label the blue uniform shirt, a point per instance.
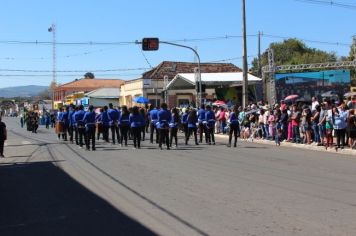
(210, 118)
(78, 116)
(113, 116)
(104, 117)
(143, 120)
(70, 114)
(164, 117)
(60, 116)
(65, 117)
(89, 118)
(185, 118)
(234, 120)
(124, 119)
(135, 120)
(201, 115)
(153, 114)
(192, 123)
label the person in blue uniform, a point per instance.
(192, 126)
(164, 117)
(66, 123)
(185, 123)
(99, 124)
(74, 125)
(89, 122)
(136, 120)
(124, 124)
(173, 127)
(153, 116)
(234, 125)
(107, 121)
(78, 116)
(114, 115)
(70, 123)
(143, 125)
(60, 120)
(210, 125)
(201, 123)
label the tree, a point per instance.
(89, 75)
(293, 52)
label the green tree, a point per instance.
(293, 52)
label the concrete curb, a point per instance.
(302, 146)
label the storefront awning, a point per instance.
(211, 80)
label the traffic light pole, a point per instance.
(199, 93)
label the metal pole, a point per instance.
(165, 79)
(245, 68)
(259, 55)
(199, 93)
(156, 92)
(354, 43)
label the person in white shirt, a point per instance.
(314, 104)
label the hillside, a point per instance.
(21, 91)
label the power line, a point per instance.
(329, 3)
(73, 71)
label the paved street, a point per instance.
(49, 187)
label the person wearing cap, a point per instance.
(164, 117)
(201, 123)
(113, 116)
(210, 125)
(89, 122)
(78, 116)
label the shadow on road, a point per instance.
(40, 199)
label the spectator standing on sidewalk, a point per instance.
(3, 137)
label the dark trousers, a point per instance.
(143, 131)
(153, 128)
(124, 133)
(136, 132)
(340, 137)
(76, 132)
(173, 134)
(105, 130)
(82, 135)
(164, 136)
(192, 130)
(186, 131)
(210, 135)
(115, 132)
(71, 132)
(2, 147)
(90, 136)
(234, 129)
(296, 134)
(202, 129)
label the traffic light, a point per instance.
(150, 44)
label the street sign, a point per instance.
(150, 44)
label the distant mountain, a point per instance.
(22, 91)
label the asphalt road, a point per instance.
(49, 187)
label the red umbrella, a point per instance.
(291, 97)
(219, 103)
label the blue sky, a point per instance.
(127, 21)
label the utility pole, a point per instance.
(244, 49)
(354, 45)
(259, 55)
(165, 80)
(52, 29)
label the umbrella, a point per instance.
(350, 94)
(329, 94)
(291, 97)
(219, 103)
(141, 100)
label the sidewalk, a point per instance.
(346, 151)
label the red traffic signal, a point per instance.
(150, 44)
